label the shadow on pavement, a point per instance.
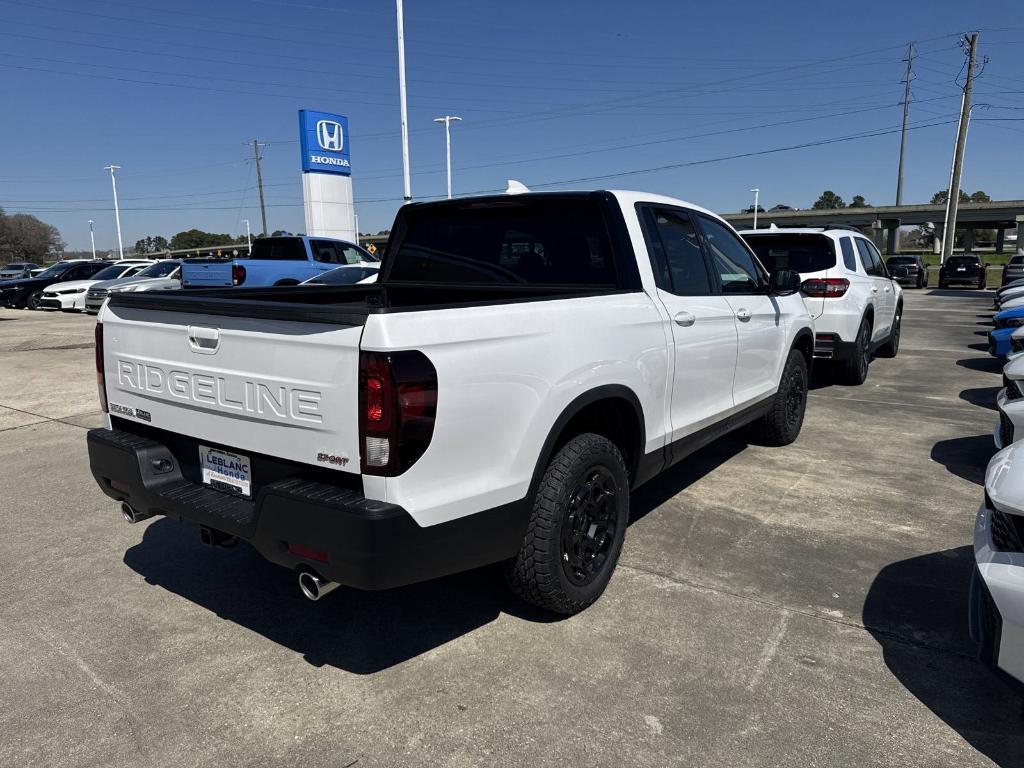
(965, 457)
(360, 632)
(984, 397)
(986, 364)
(979, 347)
(916, 609)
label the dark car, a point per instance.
(962, 270)
(1013, 269)
(914, 271)
(29, 291)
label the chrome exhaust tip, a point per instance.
(132, 515)
(315, 587)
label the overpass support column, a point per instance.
(968, 239)
(1000, 238)
(1020, 234)
(892, 234)
(878, 235)
(937, 242)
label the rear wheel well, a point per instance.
(805, 343)
(614, 418)
(869, 315)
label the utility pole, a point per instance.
(92, 239)
(117, 211)
(248, 236)
(953, 198)
(757, 193)
(906, 113)
(447, 120)
(407, 186)
(256, 146)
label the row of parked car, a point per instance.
(997, 587)
(83, 285)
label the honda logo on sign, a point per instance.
(329, 135)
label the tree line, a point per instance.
(23, 237)
(829, 200)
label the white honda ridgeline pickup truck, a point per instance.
(523, 362)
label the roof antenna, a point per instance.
(516, 187)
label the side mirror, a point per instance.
(784, 282)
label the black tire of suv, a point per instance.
(855, 369)
(943, 285)
(891, 347)
(540, 572)
(781, 425)
(922, 282)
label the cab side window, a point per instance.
(327, 252)
(351, 255)
(735, 264)
(676, 255)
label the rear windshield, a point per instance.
(540, 242)
(800, 252)
(899, 261)
(278, 249)
(963, 261)
(160, 269)
(18, 267)
(1017, 260)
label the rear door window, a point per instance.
(867, 259)
(676, 254)
(801, 252)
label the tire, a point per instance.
(561, 566)
(922, 282)
(891, 347)
(943, 285)
(32, 302)
(855, 369)
(781, 425)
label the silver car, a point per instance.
(17, 270)
(162, 276)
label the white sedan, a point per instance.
(996, 612)
(349, 274)
(70, 296)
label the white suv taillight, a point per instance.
(825, 287)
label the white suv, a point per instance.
(855, 303)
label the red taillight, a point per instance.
(398, 403)
(237, 274)
(100, 385)
(825, 288)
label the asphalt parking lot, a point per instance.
(797, 606)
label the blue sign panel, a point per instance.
(323, 138)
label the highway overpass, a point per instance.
(884, 221)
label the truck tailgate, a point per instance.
(282, 388)
(205, 274)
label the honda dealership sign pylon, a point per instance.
(326, 175)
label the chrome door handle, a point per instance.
(685, 319)
(874, 289)
(887, 289)
(743, 314)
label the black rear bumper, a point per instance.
(367, 544)
(828, 346)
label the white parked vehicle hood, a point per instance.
(70, 285)
(1004, 478)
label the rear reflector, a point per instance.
(825, 288)
(306, 552)
(100, 384)
(237, 274)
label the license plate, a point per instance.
(961, 269)
(225, 471)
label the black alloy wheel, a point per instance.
(589, 526)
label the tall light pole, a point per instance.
(117, 211)
(407, 186)
(92, 239)
(356, 217)
(447, 120)
(756, 192)
(248, 237)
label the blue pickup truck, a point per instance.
(286, 260)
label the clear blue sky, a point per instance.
(550, 92)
